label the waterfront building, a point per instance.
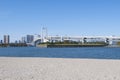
(16, 42)
(6, 39)
(30, 38)
(23, 40)
(1, 41)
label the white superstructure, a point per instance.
(108, 39)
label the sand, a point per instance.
(58, 69)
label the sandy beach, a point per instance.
(58, 69)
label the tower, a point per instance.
(44, 34)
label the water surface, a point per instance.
(93, 53)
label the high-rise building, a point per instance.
(6, 39)
(1, 41)
(30, 38)
(23, 40)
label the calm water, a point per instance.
(99, 52)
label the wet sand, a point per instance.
(58, 69)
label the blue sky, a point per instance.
(61, 17)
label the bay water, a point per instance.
(84, 52)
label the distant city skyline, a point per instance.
(19, 18)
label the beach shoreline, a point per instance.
(15, 68)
